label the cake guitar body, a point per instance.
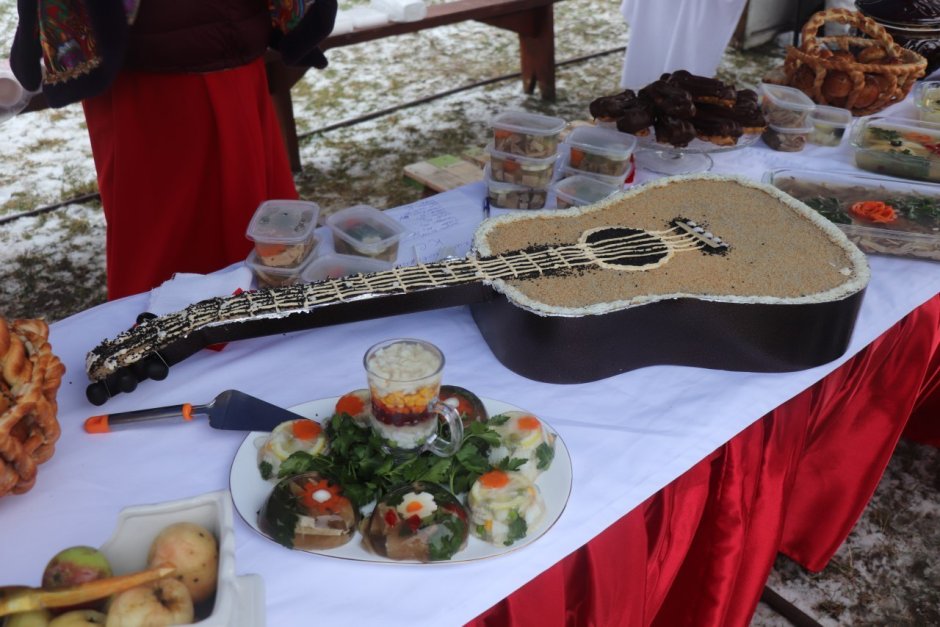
(647, 277)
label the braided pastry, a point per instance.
(30, 376)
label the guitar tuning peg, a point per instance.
(709, 235)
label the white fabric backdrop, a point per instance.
(670, 35)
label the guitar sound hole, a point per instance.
(622, 246)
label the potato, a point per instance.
(194, 551)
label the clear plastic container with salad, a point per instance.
(526, 134)
(283, 232)
(578, 190)
(897, 147)
(529, 171)
(880, 215)
(785, 107)
(594, 150)
(365, 231)
(501, 195)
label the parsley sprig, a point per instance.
(358, 461)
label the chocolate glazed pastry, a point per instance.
(674, 131)
(668, 99)
(703, 89)
(636, 120)
(745, 113)
(718, 130)
(612, 107)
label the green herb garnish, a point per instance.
(517, 528)
(447, 539)
(359, 462)
(544, 453)
(266, 470)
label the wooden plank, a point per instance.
(443, 173)
(438, 15)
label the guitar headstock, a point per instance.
(709, 242)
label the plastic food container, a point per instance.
(526, 134)
(785, 107)
(282, 231)
(908, 227)
(334, 266)
(614, 181)
(927, 99)
(272, 276)
(578, 190)
(829, 124)
(239, 600)
(501, 195)
(786, 139)
(897, 147)
(599, 151)
(529, 171)
(365, 231)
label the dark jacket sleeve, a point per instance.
(299, 46)
(62, 86)
(26, 54)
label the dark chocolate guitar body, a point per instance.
(536, 306)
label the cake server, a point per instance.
(229, 410)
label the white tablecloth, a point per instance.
(628, 435)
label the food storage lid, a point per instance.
(335, 265)
(528, 123)
(834, 116)
(583, 190)
(786, 97)
(533, 162)
(283, 221)
(349, 225)
(602, 141)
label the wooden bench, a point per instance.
(532, 20)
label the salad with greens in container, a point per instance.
(880, 215)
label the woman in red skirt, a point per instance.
(183, 132)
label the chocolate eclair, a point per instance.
(610, 108)
(669, 100)
(747, 114)
(703, 89)
(636, 120)
(674, 131)
(746, 95)
(718, 130)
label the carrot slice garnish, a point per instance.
(306, 429)
(349, 404)
(528, 423)
(874, 210)
(494, 479)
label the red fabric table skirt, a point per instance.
(183, 161)
(699, 551)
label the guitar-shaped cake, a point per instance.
(704, 271)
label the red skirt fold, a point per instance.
(183, 161)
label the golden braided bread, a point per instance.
(30, 376)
